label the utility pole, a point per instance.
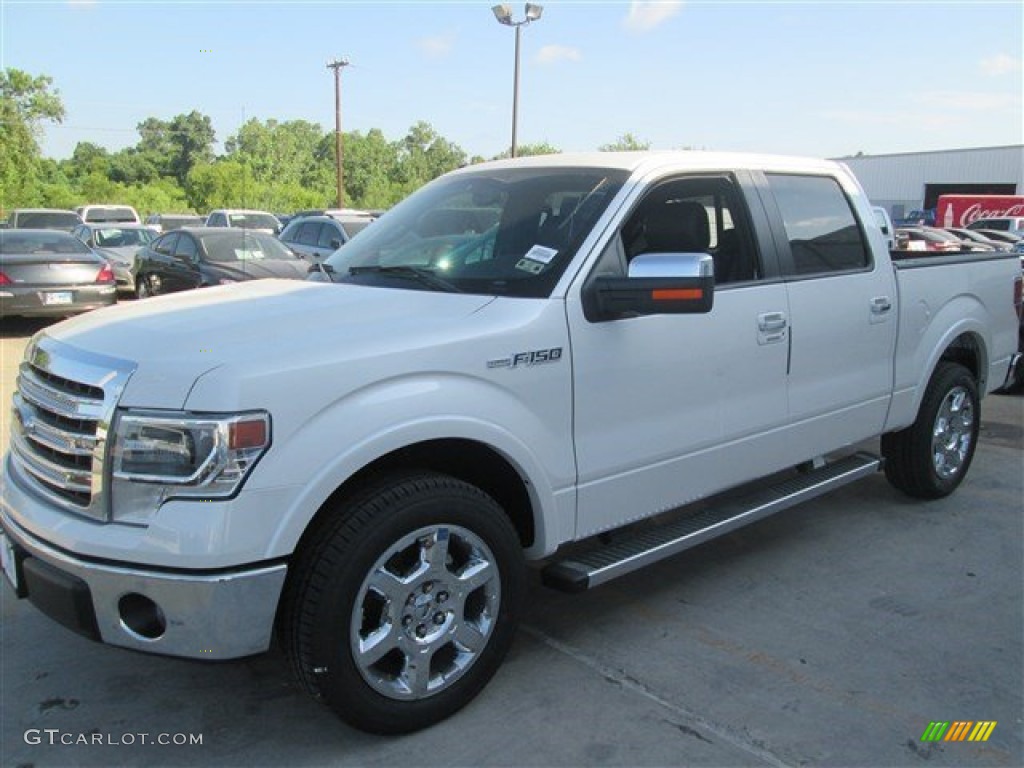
(504, 16)
(337, 65)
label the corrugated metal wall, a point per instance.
(898, 181)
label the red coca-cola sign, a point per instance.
(961, 210)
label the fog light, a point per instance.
(141, 616)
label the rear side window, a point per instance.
(823, 233)
(309, 233)
(328, 234)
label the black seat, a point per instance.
(677, 228)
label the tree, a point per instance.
(174, 147)
(192, 136)
(26, 102)
(526, 150)
(423, 155)
(224, 184)
(277, 152)
(371, 164)
(627, 142)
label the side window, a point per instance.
(309, 234)
(217, 220)
(165, 245)
(823, 233)
(186, 248)
(695, 215)
(330, 232)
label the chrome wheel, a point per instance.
(425, 612)
(953, 433)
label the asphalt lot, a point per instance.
(830, 635)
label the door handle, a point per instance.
(880, 305)
(771, 321)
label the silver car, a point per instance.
(118, 244)
(45, 272)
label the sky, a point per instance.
(825, 79)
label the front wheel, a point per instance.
(404, 603)
(146, 286)
(930, 458)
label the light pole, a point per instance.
(504, 16)
(337, 65)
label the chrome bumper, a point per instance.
(222, 615)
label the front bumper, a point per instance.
(224, 614)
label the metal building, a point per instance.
(914, 180)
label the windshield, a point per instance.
(16, 241)
(254, 221)
(47, 220)
(110, 214)
(243, 246)
(122, 238)
(496, 231)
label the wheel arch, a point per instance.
(468, 460)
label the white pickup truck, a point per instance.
(583, 363)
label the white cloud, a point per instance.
(647, 14)
(1000, 64)
(437, 46)
(550, 54)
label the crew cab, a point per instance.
(604, 360)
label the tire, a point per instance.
(403, 604)
(146, 286)
(930, 458)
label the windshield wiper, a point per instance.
(422, 275)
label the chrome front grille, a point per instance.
(62, 409)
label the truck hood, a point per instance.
(175, 339)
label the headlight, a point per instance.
(157, 457)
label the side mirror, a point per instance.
(335, 244)
(657, 284)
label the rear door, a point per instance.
(842, 304)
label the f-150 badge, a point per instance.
(523, 359)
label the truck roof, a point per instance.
(654, 159)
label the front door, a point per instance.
(670, 408)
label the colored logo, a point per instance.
(959, 730)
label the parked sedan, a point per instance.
(46, 272)
(317, 237)
(204, 256)
(118, 244)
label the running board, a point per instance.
(583, 570)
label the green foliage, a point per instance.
(25, 103)
(526, 150)
(270, 165)
(627, 142)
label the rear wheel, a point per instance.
(404, 605)
(146, 286)
(930, 458)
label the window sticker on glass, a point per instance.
(529, 265)
(542, 254)
(249, 254)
